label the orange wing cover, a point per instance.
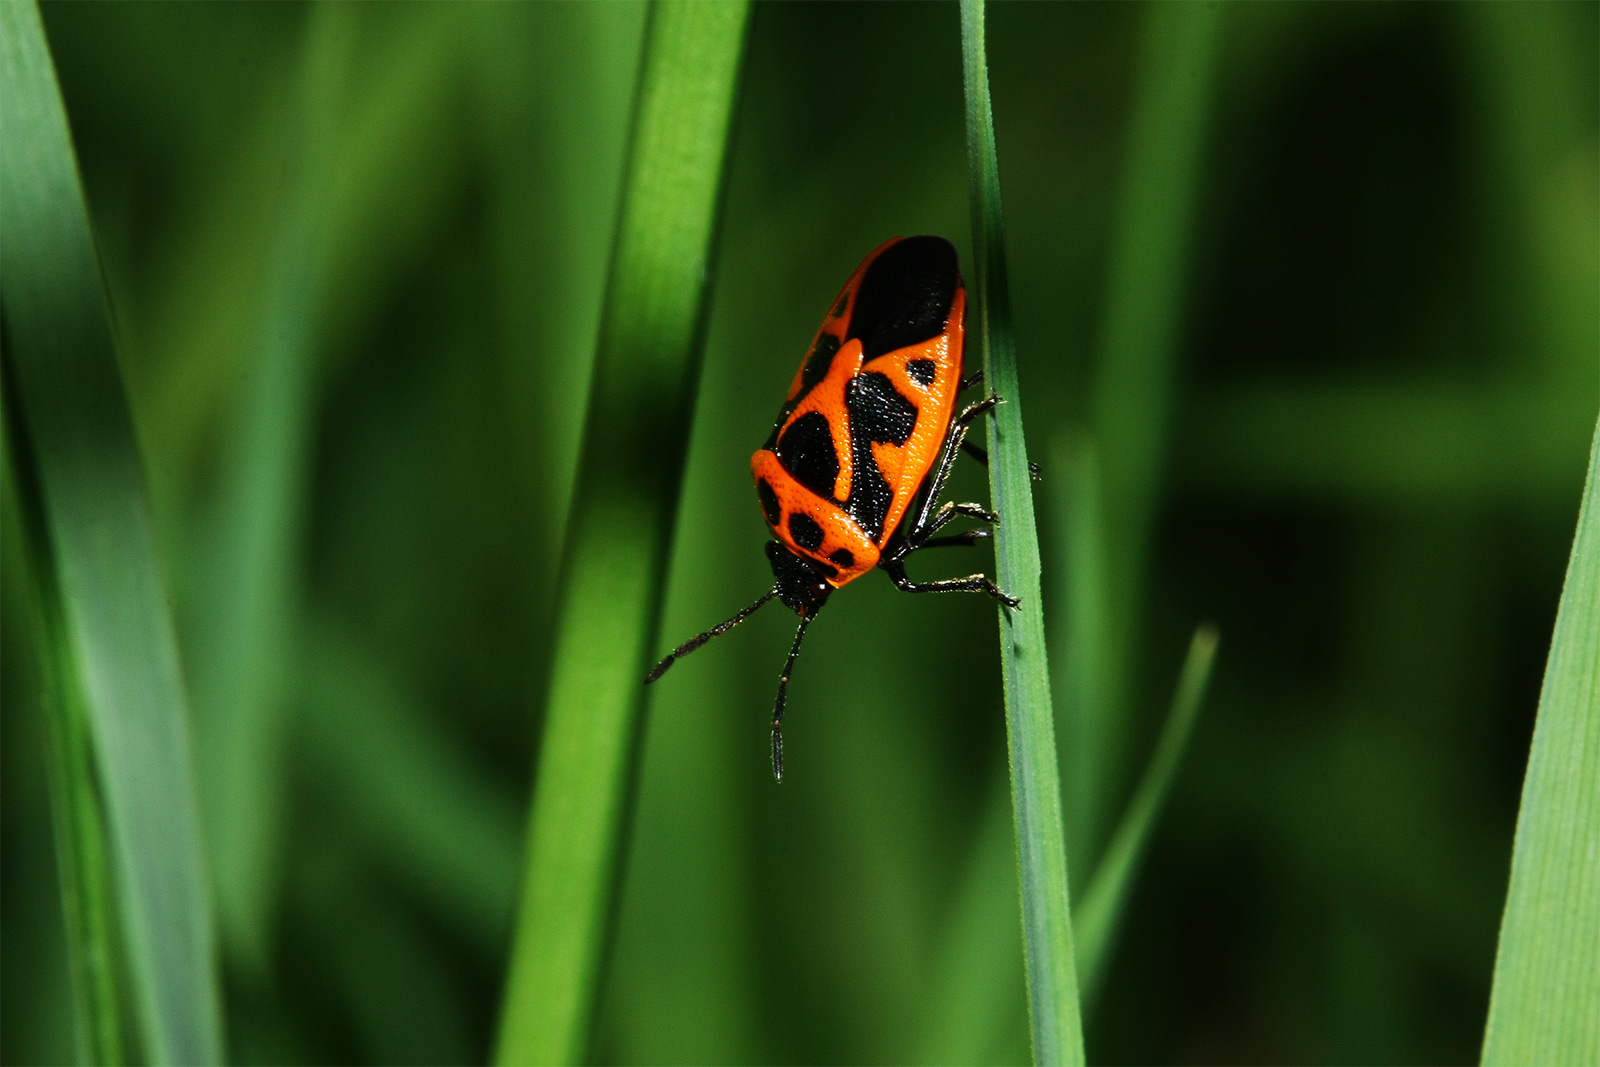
(869, 409)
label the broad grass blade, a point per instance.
(82, 859)
(61, 353)
(614, 562)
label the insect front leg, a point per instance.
(953, 439)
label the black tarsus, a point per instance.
(930, 515)
(981, 454)
(700, 639)
(941, 468)
(783, 694)
(948, 511)
(972, 583)
(964, 539)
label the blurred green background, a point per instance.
(358, 365)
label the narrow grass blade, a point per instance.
(1096, 918)
(242, 656)
(1545, 1003)
(1030, 722)
(1079, 609)
(615, 557)
(1130, 396)
(82, 863)
(61, 353)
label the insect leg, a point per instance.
(982, 456)
(972, 583)
(950, 509)
(947, 511)
(971, 380)
(964, 539)
(973, 410)
(953, 439)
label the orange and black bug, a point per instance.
(851, 475)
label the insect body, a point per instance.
(851, 475)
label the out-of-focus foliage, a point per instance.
(1384, 378)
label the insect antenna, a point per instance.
(700, 639)
(783, 694)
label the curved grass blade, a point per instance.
(614, 562)
(1096, 917)
(1545, 1004)
(62, 355)
(1030, 722)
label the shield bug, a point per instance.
(851, 475)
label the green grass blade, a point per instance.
(1079, 606)
(241, 659)
(1096, 918)
(62, 354)
(1545, 1004)
(1030, 722)
(1141, 320)
(615, 557)
(82, 862)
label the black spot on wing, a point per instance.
(877, 410)
(769, 502)
(806, 451)
(905, 296)
(878, 413)
(922, 371)
(816, 369)
(870, 495)
(843, 557)
(805, 531)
